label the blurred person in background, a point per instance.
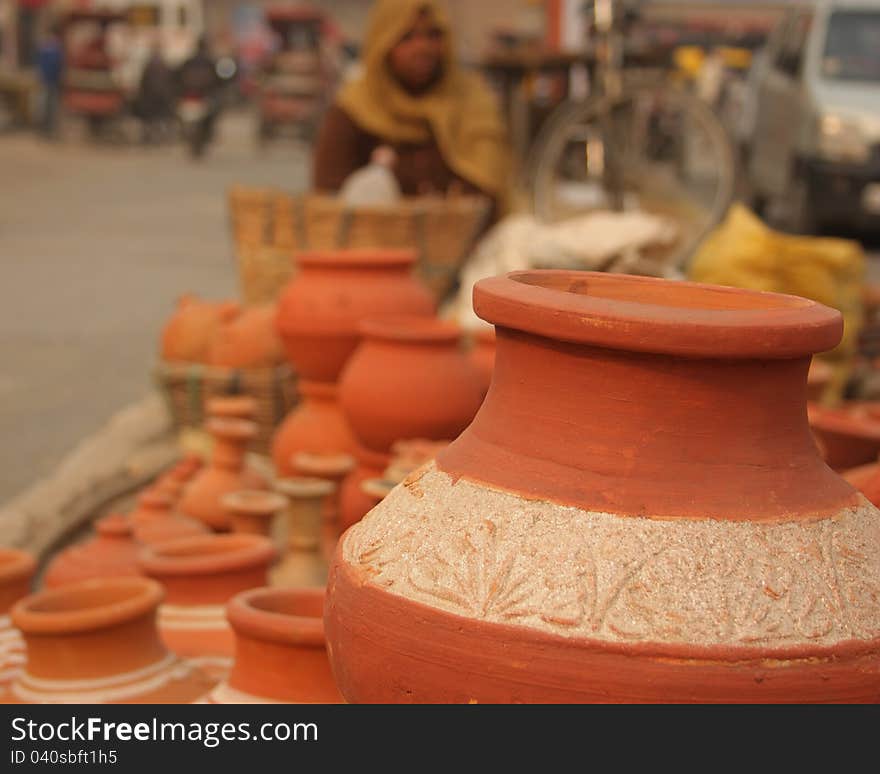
(411, 95)
(50, 63)
(154, 103)
(197, 76)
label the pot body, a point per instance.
(189, 333)
(409, 379)
(638, 513)
(849, 435)
(354, 503)
(321, 307)
(248, 341)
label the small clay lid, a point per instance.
(646, 314)
(360, 258)
(154, 499)
(15, 565)
(234, 429)
(323, 465)
(116, 525)
(206, 555)
(286, 616)
(410, 329)
(254, 502)
(231, 406)
(304, 487)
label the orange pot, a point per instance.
(237, 407)
(96, 642)
(111, 553)
(154, 520)
(409, 379)
(248, 340)
(200, 575)
(849, 435)
(280, 650)
(321, 307)
(226, 473)
(16, 572)
(354, 503)
(190, 331)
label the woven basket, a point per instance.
(441, 230)
(187, 386)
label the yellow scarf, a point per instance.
(460, 111)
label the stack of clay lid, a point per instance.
(16, 573)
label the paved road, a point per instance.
(95, 245)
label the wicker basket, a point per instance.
(441, 230)
(187, 386)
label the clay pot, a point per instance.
(482, 354)
(190, 331)
(16, 573)
(315, 426)
(96, 642)
(226, 473)
(252, 512)
(354, 503)
(249, 340)
(200, 575)
(111, 553)
(409, 378)
(849, 435)
(154, 520)
(637, 513)
(302, 563)
(321, 307)
(334, 468)
(187, 467)
(238, 407)
(280, 651)
(818, 379)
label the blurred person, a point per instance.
(50, 63)
(198, 74)
(441, 121)
(154, 103)
(199, 98)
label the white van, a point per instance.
(814, 149)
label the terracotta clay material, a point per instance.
(637, 513)
(819, 377)
(482, 354)
(16, 573)
(253, 511)
(238, 407)
(96, 642)
(200, 575)
(335, 468)
(850, 434)
(111, 553)
(410, 378)
(226, 473)
(354, 503)
(315, 426)
(249, 340)
(154, 520)
(190, 331)
(302, 563)
(280, 651)
(321, 307)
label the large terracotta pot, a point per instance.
(638, 513)
(353, 501)
(111, 553)
(410, 378)
(96, 642)
(305, 516)
(154, 520)
(16, 573)
(321, 307)
(200, 575)
(253, 512)
(849, 435)
(226, 473)
(315, 426)
(190, 331)
(249, 340)
(482, 354)
(280, 651)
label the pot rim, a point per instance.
(659, 316)
(258, 502)
(206, 555)
(114, 525)
(78, 607)
(295, 487)
(235, 429)
(231, 406)
(16, 565)
(855, 422)
(248, 615)
(357, 258)
(152, 498)
(410, 329)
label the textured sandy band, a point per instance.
(494, 556)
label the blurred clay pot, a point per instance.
(226, 473)
(849, 435)
(280, 650)
(111, 553)
(249, 340)
(354, 503)
(190, 331)
(16, 573)
(638, 513)
(818, 379)
(252, 512)
(409, 378)
(96, 642)
(320, 308)
(238, 407)
(200, 575)
(301, 564)
(315, 426)
(154, 520)
(334, 468)
(482, 354)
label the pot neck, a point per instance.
(647, 434)
(228, 453)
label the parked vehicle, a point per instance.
(812, 128)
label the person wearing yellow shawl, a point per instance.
(441, 120)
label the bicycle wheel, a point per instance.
(655, 149)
